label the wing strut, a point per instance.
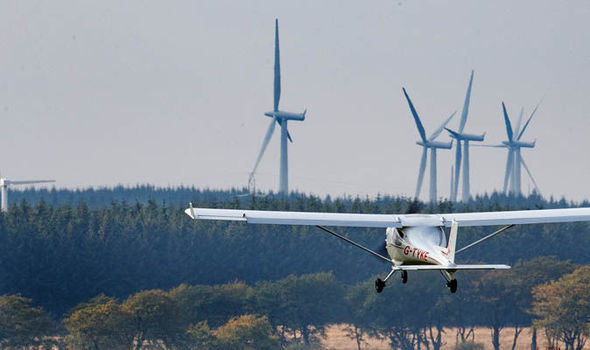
(485, 238)
(354, 243)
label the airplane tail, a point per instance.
(452, 241)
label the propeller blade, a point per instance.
(509, 164)
(416, 118)
(530, 175)
(527, 122)
(466, 105)
(382, 249)
(441, 127)
(457, 166)
(508, 125)
(277, 81)
(270, 130)
(421, 172)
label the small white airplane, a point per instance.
(413, 242)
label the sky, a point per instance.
(169, 93)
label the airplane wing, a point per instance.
(544, 216)
(449, 267)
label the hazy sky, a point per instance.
(96, 93)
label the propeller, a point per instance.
(382, 249)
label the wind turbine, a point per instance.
(428, 143)
(281, 118)
(5, 183)
(463, 138)
(514, 159)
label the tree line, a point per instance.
(61, 255)
(293, 312)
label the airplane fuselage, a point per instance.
(418, 246)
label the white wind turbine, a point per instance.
(463, 140)
(428, 143)
(281, 118)
(5, 183)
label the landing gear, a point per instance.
(452, 284)
(404, 277)
(379, 285)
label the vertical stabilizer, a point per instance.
(453, 240)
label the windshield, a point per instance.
(426, 236)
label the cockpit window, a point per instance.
(426, 235)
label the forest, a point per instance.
(125, 267)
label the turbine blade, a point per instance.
(466, 105)
(270, 130)
(519, 122)
(509, 164)
(508, 125)
(416, 118)
(288, 133)
(492, 146)
(530, 175)
(421, 172)
(441, 127)
(29, 182)
(277, 82)
(527, 122)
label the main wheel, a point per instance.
(452, 284)
(379, 285)
(404, 276)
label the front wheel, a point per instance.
(404, 277)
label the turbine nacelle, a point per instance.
(286, 115)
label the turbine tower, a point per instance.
(5, 183)
(281, 118)
(514, 161)
(428, 143)
(463, 140)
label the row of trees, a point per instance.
(552, 295)
(63, 255)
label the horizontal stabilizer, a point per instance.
(450, 267)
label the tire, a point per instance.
(452, 284)
(404, 277)
(379, 285)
